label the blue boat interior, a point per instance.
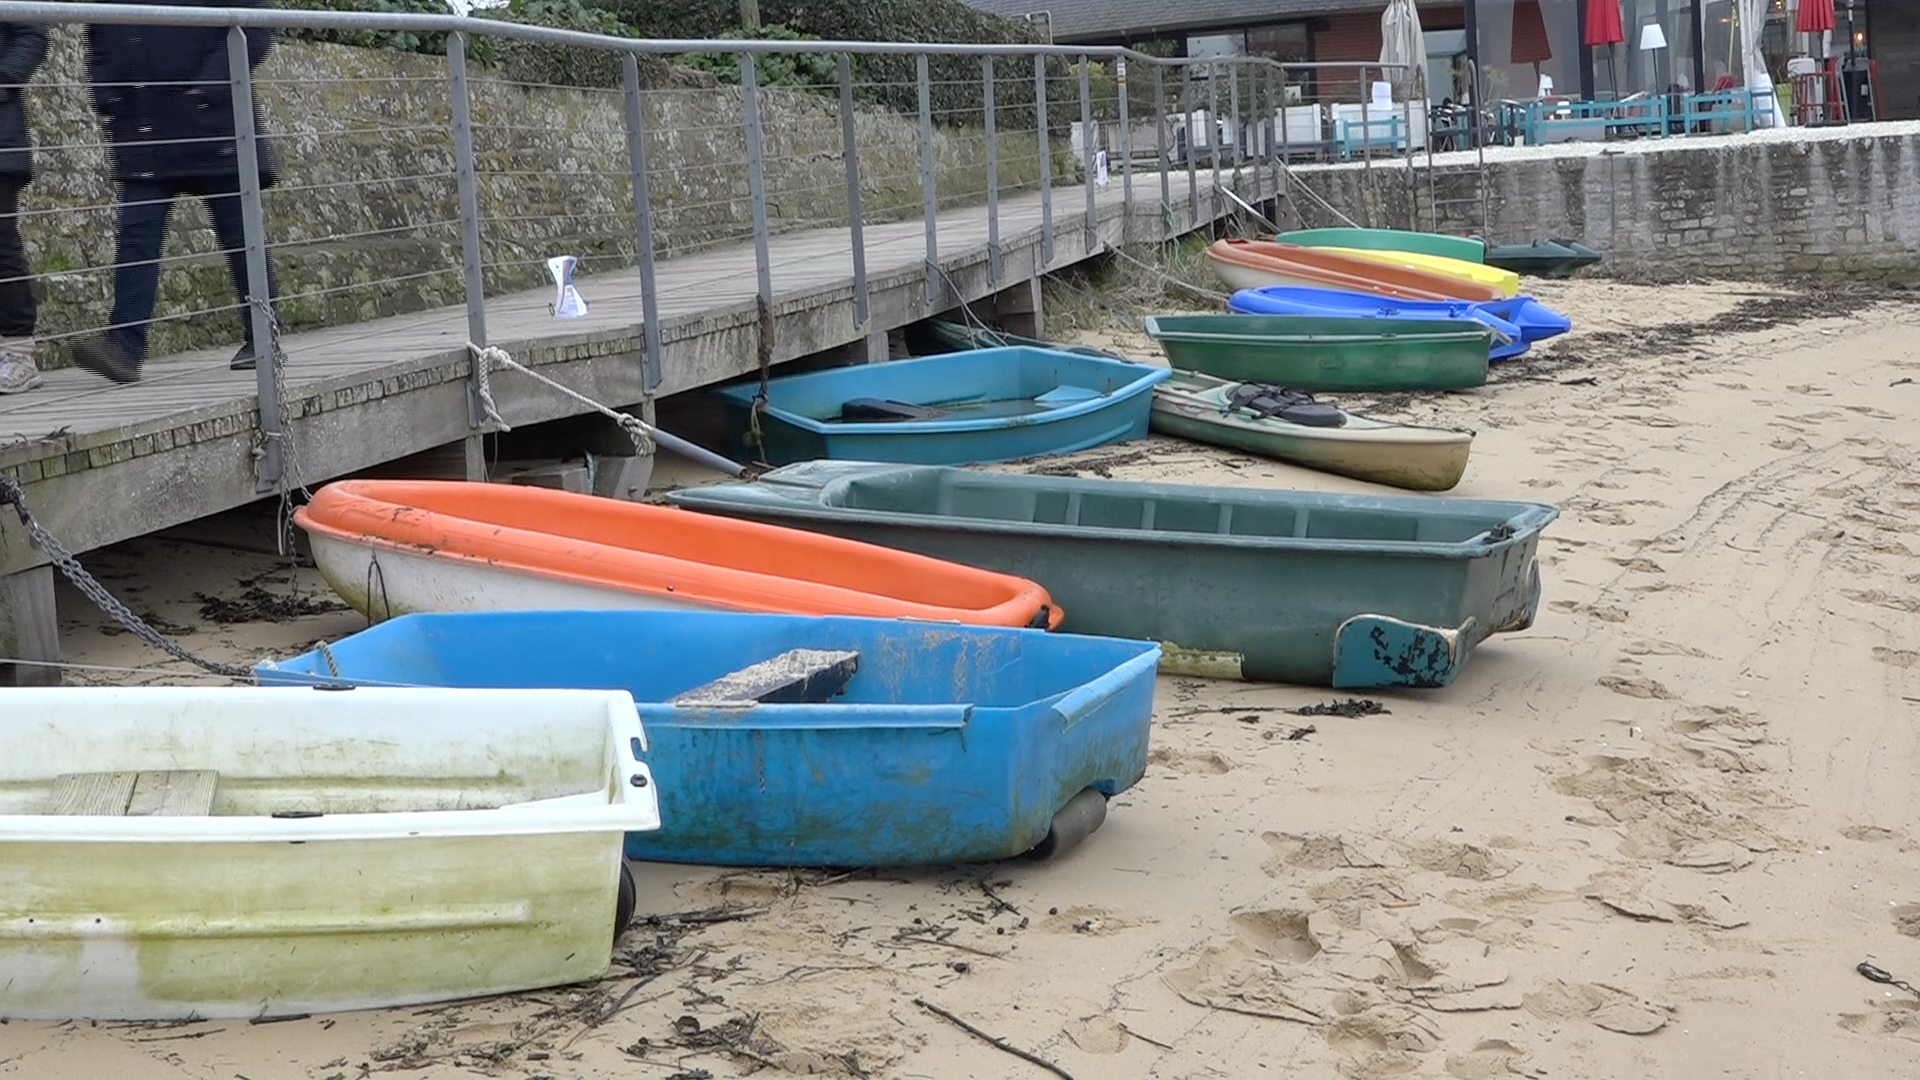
(1254, 513)
(655, 655)
(979, 384)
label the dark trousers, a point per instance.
(145, 206)
(17, 310)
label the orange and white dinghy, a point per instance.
(397, 547)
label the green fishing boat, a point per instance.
(1350, 591)
(1423, 243)
(1288, 425)
(1320, 354)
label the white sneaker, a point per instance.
(17, 370)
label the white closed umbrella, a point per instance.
(1401, 42)
(1753, 65)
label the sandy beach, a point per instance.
(1651, 836)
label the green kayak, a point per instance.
(1423, 243)
(1350, 591)
(1287, 426)
(1328, 353)
(1542, 258)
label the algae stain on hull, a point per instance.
(1201, 663)
(167, 931)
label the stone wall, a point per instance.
(365, 223)
(1831, 202)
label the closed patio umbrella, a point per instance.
(1604, 29)
(1401, 42)
(1816, 17)
(1753, 20)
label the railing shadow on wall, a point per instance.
(380, 183)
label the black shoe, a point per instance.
(242, 360)
(106, 357)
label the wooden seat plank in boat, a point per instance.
(795, 677)
(153, 793)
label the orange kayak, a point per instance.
(1257, 264)
(396, 547)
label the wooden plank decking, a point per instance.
(102, 463)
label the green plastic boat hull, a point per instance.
(1542, 258)
(1328, 354)
(1422, 243)
(1317, 589)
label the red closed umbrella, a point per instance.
(1603, 30)
(1603, 22)
(1816, 17)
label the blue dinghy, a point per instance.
(783, 740)
(966, 408)
(1521, 319)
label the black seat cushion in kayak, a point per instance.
(881, 409)
(1285, 403)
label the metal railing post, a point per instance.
(642, 220)
(469, 192)
(1213, 136)
(856, 228)
(1239, 126)
(1186, 118)
(929, 182)
(1086, 152)
(757, 191)
(1046, 159)
(1160, 146)
(272, 464)
(993, 171)
(1126, 149)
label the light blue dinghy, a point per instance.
(785, 740)
(964, 408)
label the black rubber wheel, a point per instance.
(623, 907)
(1083, 814)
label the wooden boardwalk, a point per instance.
(102, 463)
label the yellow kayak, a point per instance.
(1506, 281)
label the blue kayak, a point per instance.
(1521, 319)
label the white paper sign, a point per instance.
(1100, 168)
(567, 303)
(1383, 95)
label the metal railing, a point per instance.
(447, 151)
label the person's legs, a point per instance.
(118, 353)
(17, 311)
(229, 225)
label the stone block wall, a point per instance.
(365, 222)
(1841, 203)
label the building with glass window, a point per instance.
(1517, 42)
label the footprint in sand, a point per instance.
(1098, 1035)
(1655, 647)
(1898, 1018)
(1906, 919)
(1640, 565)
(1636, 686)
(1488, 1059)
(1470, 861)
(1322, 851)
(1901, 658)
(1603, 1006)
(1202, 762)
(1879, 598)
(1283, 935)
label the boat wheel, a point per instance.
(1076, 821)
(623, 907)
